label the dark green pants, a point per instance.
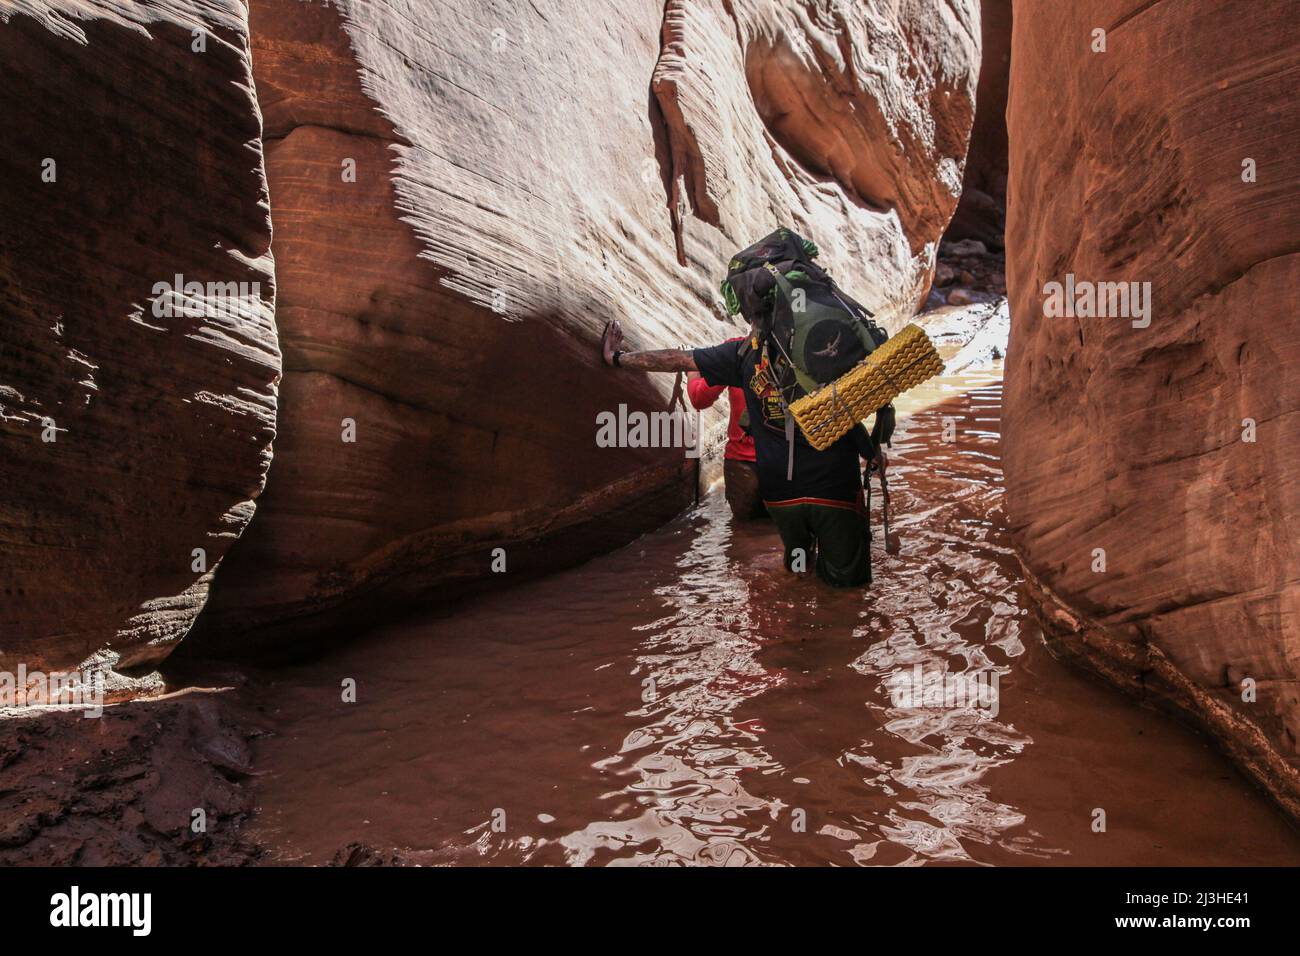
(834, 534)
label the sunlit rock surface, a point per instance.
(515, 189)
(134, 444)
(1168, 452)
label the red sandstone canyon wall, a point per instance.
(1168, 450)
(130, 440)
(522, 175)
(459, 205)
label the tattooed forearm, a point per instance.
(658, 360)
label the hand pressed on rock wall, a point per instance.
(654, 360)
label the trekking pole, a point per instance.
(877, 464)
(884, 501)
(881, 463)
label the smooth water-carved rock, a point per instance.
(1151, 463)
(863, 116)
(460, 205)
(134, 441)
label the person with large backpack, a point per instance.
(804, 332)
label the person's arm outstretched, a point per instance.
(652, 360)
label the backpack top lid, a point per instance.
(747, 289)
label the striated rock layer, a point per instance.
(1168, 451)
(134, 443)
(522, 175)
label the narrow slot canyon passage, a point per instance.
(366, 575)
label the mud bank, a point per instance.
(123, 788)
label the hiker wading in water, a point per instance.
(814, 497)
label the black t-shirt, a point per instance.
(833, 474)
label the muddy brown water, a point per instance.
(686, 701)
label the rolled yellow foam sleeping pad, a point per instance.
(903, 362)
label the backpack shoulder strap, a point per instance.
(849, 301)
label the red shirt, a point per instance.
(740, 446)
